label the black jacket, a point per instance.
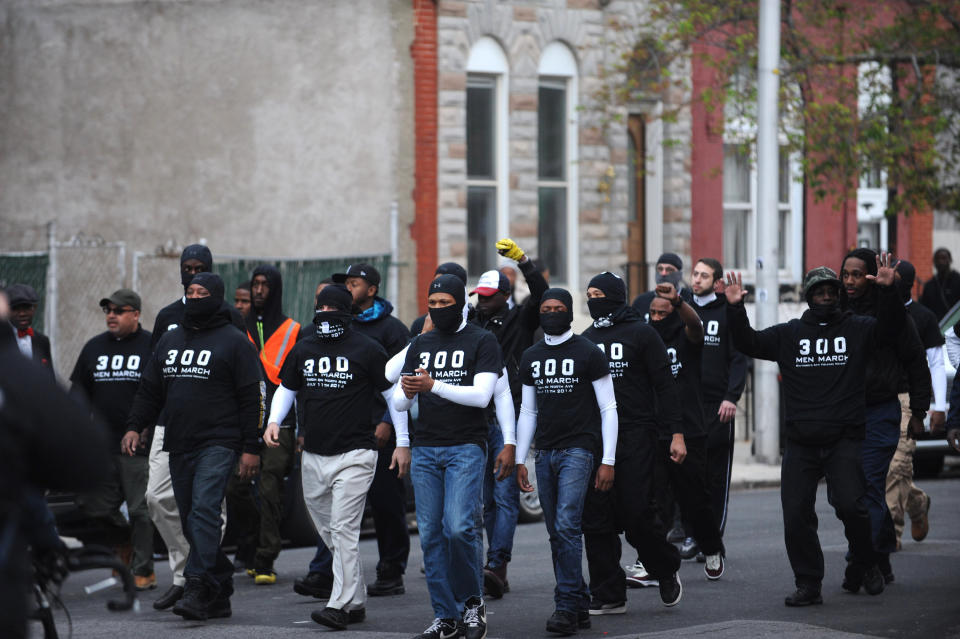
(514, 327)
(379, 324)
(940, 295)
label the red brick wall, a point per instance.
(915, 243)
(423, 50)
(706, 168)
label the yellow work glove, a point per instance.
(508, 248)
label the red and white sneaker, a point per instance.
(713, 568)
(638, 577)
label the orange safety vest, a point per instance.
(276, 349)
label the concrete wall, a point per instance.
(276, 128)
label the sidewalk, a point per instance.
(747, 474)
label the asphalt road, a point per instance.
(924, 601)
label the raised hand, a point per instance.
(735, 292)
(886, 272)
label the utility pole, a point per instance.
(767, 389)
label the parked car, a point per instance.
(932, 450)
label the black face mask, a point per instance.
(667, 327)
(602, 307)
(331, 324)
(825, 312)
(199, 311)
(556, 323)
(447, 319)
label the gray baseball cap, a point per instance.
(122, 297)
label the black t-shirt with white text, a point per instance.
(453, 359)
(108, 373)
(724, 368)
(336, 381)
(563, 374)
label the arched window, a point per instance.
(557, 193)
(488, 74)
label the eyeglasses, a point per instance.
(116, 311)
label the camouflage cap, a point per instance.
(816, 276)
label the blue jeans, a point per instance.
(501, 503)
(447, 484)
(879, 445)
(199, 485)
(562, 479)
(322, 561)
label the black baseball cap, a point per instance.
(367, 272)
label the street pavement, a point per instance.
(747, 602)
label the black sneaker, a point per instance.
(169, 598)
(315, 584)
(688, 549)
(389, 582)
(671, 590)
(563, 623)
(873, 581)
(441, 629)
(196, 600)
(356, 615)
(331, 618)
(805, 595)
(598, 607)
(474, 622)
(852, 577)
(883, 563)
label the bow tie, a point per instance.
(25, 332)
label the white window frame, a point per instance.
(557, 62)
(487, 58)
(871, 200)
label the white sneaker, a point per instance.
(638, 577)
(714, 567)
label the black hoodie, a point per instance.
(823, 365)
(724, 368)
(208, 382)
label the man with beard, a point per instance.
(336, 371)
(723, 376)
(569, 403)
(942, 290)
(823, 359)
(452, 371)
(161, 502)
(887, 369)
(206, 376)
(514, 328)
(683, 457)
(642, 381)
(107, 374)
(258, 520)
(903, 496)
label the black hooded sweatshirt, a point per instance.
(646, 392)
(724, 368)
(822, 364)
(261, 324)
(890, 364)
(207, 379)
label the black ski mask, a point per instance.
(448, 318)
(206, 312)
(195, 252)
(602, 309)
(559, 322)
(333, 324)
(667, 327)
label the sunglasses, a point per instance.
(116, 311)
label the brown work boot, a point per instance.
(145, 583)
(920, 526)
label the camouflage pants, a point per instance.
(903, 496)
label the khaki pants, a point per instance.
(163, 508)
(903, 496)
(334, 490)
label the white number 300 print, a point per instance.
(186, 358)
